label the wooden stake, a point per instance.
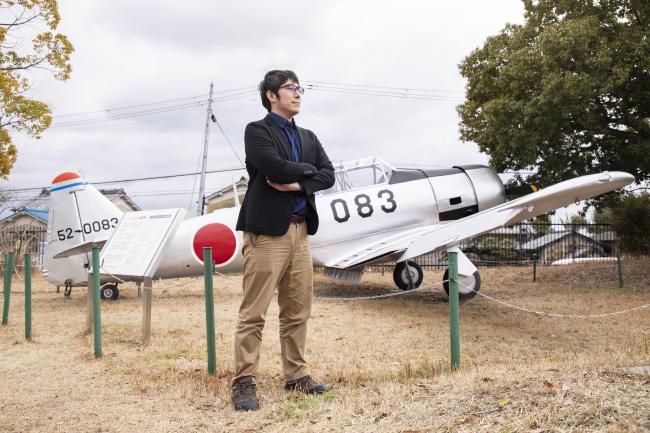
(146, 311)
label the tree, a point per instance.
(631, 221)
(565, 94)
(577, 219)
(603, 215)
(20, 20)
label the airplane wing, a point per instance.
(437, 236)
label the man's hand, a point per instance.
(284, 187)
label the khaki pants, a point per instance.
(269, 262)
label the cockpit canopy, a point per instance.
(359, 173)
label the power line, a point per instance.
(149, 112)
(385, 87)
(386, 93)
(135, 179)
(126, 107)
(227, 139)
(131, 114)
(141, 122)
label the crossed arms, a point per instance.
(282, 174)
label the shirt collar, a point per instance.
(284, 123)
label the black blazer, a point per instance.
(266, 210)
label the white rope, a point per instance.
(563, 316)
(177, 286)
(422, 288)
(385, 295)
(498, 301)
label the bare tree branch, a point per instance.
(18, 68)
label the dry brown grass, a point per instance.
(388, 360)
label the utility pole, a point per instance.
(200, 205)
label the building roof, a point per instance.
(607, 236)
(38, 207)
(547, 239)
(517, 229)
(241, 182)
(39, 214)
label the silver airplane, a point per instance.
(374, 213)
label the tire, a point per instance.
(468, 287)
(109, 291)
(400, 276)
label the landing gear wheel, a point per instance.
(68, 288)
(408, 277)
(109, 291)
(468, 287)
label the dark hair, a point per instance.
(272, 81)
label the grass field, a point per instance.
(387, 358)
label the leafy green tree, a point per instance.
(20, 21)
(567, 93)
(542, 224)
(603, 215)
(577, 219)
(631, 221)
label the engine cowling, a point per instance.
(465, 190)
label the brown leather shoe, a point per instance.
(244, 395)
(307, 385)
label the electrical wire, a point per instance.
(130, 115)
(403, 93)
(125, 107)
(228, 95)
(227, 140)
(135, 179)
(384, 87)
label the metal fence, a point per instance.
(517, 245)
(521, 244)
(22, 240)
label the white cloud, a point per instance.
(138, 52)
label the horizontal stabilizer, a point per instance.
(79, 249)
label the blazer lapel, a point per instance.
(304, 146)
(281, 136)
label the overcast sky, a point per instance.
(133, 53)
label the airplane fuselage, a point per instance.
(371, 200)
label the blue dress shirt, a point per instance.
(291, 133)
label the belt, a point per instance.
(297, 219)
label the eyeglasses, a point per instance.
(293, 88)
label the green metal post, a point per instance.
(208, 267)
(97, 318)
(534, 267)
(9, 267)
(28, 297)
(620, 270)
(454, 318)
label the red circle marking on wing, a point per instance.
(220, 238)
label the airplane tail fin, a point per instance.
(78, 214)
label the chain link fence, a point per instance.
(522, 244)
(518, 245)
(22, 240)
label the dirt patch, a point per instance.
(388, 359)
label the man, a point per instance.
(286, 165)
